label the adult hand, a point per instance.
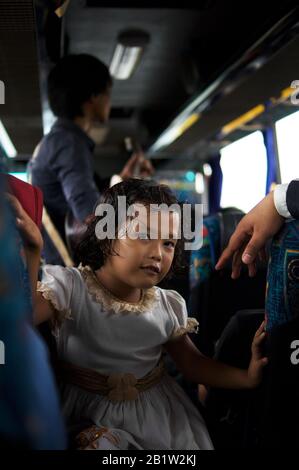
(137, 165)
(250, 237)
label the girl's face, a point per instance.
(145, 249)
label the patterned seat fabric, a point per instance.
(202, 261)
(282, 293)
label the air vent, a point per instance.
(16, 15)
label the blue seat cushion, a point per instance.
(282, 292)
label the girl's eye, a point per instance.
(169, 244)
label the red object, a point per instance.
(29, 196)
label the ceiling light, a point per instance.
(127, 54)
(177, 128)
(6, 143)
(2, 92)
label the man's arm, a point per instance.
(260, 224)
(280, 200)
(73, 168)
(292, 199)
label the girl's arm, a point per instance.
(33, 243)
(200, 369)
(43, 309)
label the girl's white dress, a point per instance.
(97, 331)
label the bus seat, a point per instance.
(29, 406)
(203, 260)
(280, 418)
(268, 416)
(217, 229)
(214, 296)
(282, 298)
(280, 406)
(232, 414)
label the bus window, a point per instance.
(287, 142)
(22, 175)
(244, 168)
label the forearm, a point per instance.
(42, 308)
(32, 245)
(216, 374)
(33, 264)
(201, 369)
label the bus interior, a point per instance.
(213, 101)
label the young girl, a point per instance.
(112, 325)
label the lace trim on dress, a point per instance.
(60, 314)
(101, 295)
(191, 327)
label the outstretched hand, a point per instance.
(258, 362)
(249, 239)
(138, 165)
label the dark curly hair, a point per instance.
(93, 252)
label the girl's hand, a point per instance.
(30, 233)
(257, 363)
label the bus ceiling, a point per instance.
(201, 68)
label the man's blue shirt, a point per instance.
(62, 169)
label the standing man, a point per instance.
(79, 89)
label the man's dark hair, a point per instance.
(73, 80)
(94, 252)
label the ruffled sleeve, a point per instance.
(57, 287)
(181, 324)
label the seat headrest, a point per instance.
(202, 261)
(217, 230)
(282, 294)
(228, 221)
